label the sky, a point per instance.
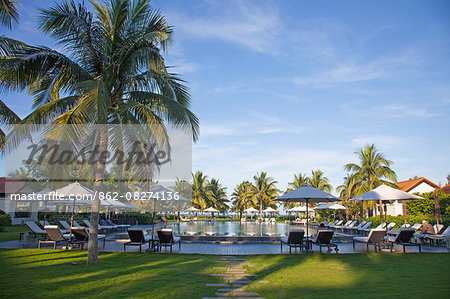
(294, 86)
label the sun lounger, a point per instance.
(367, 225)
(325, 223)
(54, 235)
(166, 239)
(65, 225)
(100, 227)
(403, 238)
(438, 228)
(341, 227)
(81, 237)
(396, 231)
(137, 238)
(416, 226)
(35, 230)
(336, 224)
(323, 239)
(366, 231)
(349, 228)
(375, 238)
(122, 226)
(437, 238)
(295, 239)
(44, 223)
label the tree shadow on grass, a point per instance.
(356, 275)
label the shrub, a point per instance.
(5, 220)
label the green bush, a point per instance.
(5, 220)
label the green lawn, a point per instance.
(12, 233)
(49, 273)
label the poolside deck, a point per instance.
(213, 248)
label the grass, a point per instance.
(50, 273)
(10, 233)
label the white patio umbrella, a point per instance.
(297, 209)
(331, 206)
(192, 210)
(307, 194)
(251, 210)
(385, 193)
(211, 210)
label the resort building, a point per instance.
(20, 211)
(417, 185)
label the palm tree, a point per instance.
(241, 197)
(263, 191)
(319, 181)
(299, 181)
(8, 13)
(348, 190)
(218, 195)
(371, 172)
(114, 74)
(200, 196)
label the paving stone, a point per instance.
(221, 294)
(225, 275)
(263, 281)
(219, 268)
(242, 281)
(244, 294)
(217, 285)
(230, 290)
(237, 285)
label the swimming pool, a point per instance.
(232, 229)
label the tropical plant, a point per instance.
(114, 73)
(8, 15)
(372, 171)
(241, 197)
(319, 181)
(348, 190)
(299, 181)
(263, 191)
(200, 196)
(218, 195)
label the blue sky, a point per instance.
(295, 86)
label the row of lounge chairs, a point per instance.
(77, 237)
(105, 226)
(296, 239)
(165, 239)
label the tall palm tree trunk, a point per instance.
(98, 186)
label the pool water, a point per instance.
(232, 229)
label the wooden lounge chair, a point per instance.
(100, 227)
(166, 239)
(81, 236)
(336, 224)
(54, 235)
(367, 225)
(295, 239)
(35, 230)
(349, 228)
(375, 238)
(323, 239)
(366, 231)
(120, 226)
(437, 238)
(393, 232)
(137, 238)
(403, 238)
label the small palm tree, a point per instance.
(371, 172)
(241, 197)
(263, 191)
(218, 195)
(200, 196)
(299, 181)
(319, 181)
(348, 190)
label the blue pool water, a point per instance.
(231, 229)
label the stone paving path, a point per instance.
(235, 278)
